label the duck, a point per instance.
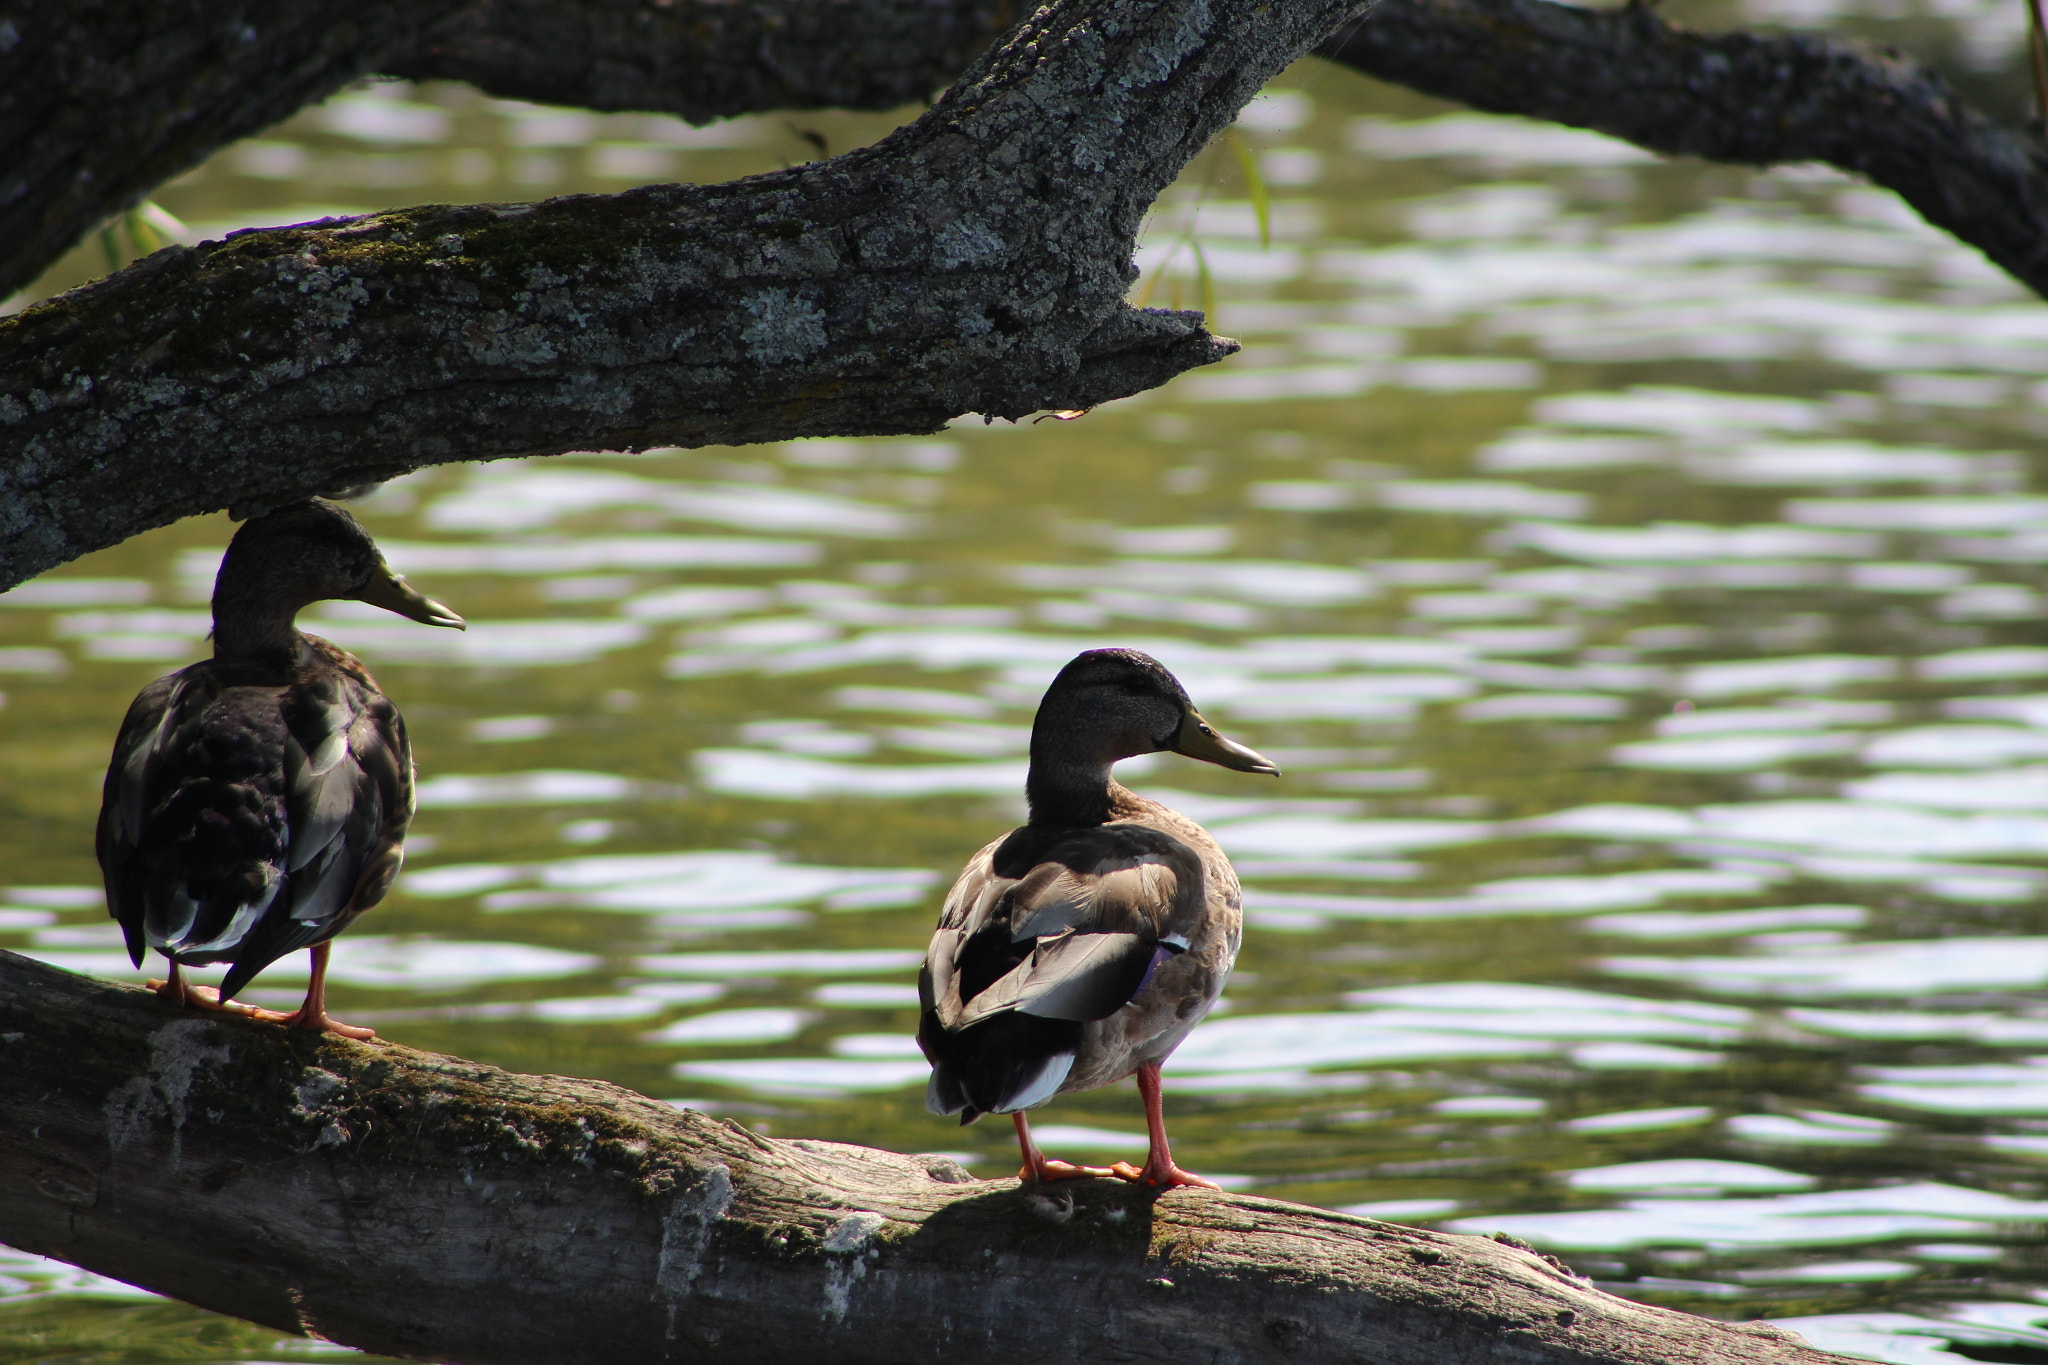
(1083, 946)
(257, 801)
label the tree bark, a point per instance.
(711, 59)
(1735, 97)
(421, 1205)
(103, 100)
(100, 102)
(974, 261)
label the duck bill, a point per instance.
(1198, 739)
(389, 591)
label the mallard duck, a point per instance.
(257, 801)
(1083, 946)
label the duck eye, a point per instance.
(1207, 731)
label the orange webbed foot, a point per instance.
(1051, 1168)
(208, 998)
(323, 1022)
(1163, 1175)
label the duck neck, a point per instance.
(251, 624)
(1068, 788)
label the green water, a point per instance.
(1635, 566)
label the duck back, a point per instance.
(1045, 972)
(252, 810)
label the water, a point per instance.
(1635, 566)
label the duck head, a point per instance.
(293, 556)
(1111, 704)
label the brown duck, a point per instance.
(257, 802)
(1083, 947)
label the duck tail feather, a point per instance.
(1039, 1088)
(943, 1094)
(241, 974)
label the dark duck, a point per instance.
(257, 802)
(1084, 946)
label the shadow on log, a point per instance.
(421, 1205)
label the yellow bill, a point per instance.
(391, 592)
(1198, 739)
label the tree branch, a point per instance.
(426, 1206)
(1737, 97)
(101, 101)
(974, 261)
(711, 59)
(98, 105)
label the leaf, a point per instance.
(1255, 185)
(1152, 280)
(1205, 283)
(141, 231)
(152, 227)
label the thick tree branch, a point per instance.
(103, 100)
(711, 59)
(1736, 97)
(99, 104)
(426, 1206)
(974, 261)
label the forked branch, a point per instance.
(974, 261)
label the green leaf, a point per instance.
(1144, 298)
(1206, 284)
(1255, 185)
(146, 228)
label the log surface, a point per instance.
(421, 1205)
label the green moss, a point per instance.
(1179, 1246)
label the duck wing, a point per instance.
(1021, 961)
(244, 819)
(191, 828)
(158, 724)
(348, 798)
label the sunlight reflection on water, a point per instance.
(1630, 563)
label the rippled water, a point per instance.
(1634, 566)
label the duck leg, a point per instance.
(1159, 1168)
(1038, 1168)
(176, 989)
(313, 1014)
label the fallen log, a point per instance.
(426, 1206)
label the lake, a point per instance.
(1636, 566)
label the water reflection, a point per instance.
(1631, 564)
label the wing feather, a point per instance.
(247, 815)
(1021, 961)
(348, 795)
(160, 722)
